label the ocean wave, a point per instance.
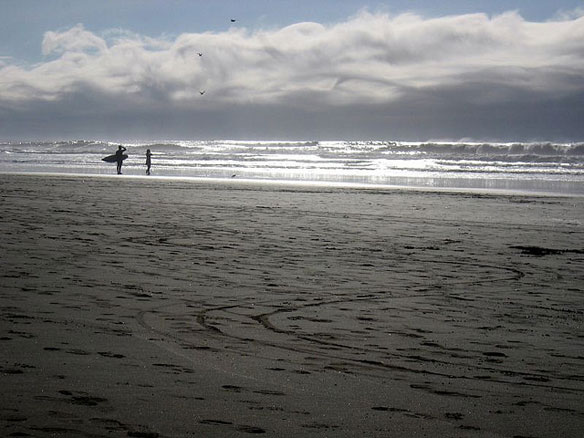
(499, 151)
(319, 159)
(489, 149)
(57, 147)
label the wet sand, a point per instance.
(151, 308)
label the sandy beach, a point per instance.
(165, 308)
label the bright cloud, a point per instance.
(74, 40)
(369, 59)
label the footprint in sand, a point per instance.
(250, 429)
(232, 388)
(143, 434)
(216, 422)
(82, 398)
(110, 354)
(268, 392)
(454, 415)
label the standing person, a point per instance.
(120, 158)
(148, 161)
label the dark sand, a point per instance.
(145, 308)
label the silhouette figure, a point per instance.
(233, 20)
(202, 92)
(148, 161)
(120, 158)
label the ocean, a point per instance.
(553, 168)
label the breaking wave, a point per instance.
(376, 162)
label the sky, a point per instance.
(414, 70)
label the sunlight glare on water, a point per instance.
(558, 168)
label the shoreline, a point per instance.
(316, 184)
(173, 309)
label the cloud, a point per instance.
(369, 61)
(76, 39)
(566, 15)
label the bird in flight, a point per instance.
(202, 92)
(233, 20)
(199, 53)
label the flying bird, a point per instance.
(199, 53)
(233, 20)
(202, 92)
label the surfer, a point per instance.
(120, 158)
(148, 161)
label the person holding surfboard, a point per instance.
(148, 161)
(120, 158)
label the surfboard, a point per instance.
(113, 158)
